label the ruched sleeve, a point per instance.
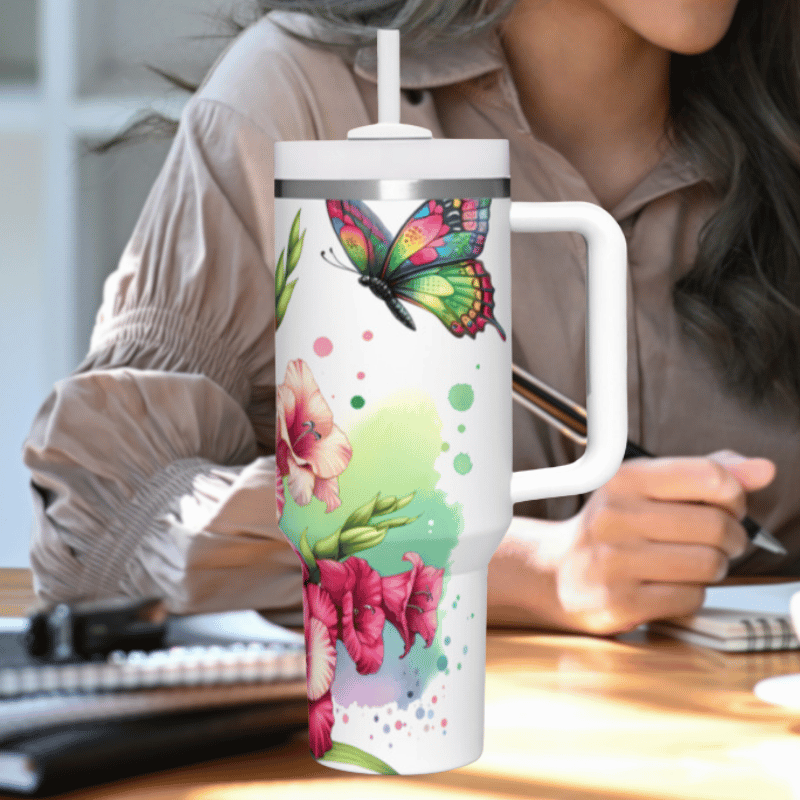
(151, 466)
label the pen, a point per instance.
(570, 418)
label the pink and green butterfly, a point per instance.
(432, 262)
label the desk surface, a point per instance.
(567, 718)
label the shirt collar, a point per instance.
(446, 63)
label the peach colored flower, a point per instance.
(311, 451)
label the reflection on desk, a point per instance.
(567, 718)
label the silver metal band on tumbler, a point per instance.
(392, 189)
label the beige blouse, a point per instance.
(150, 463)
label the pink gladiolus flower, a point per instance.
(320, 724)
(320, 623)
(310, 450)
(410, 600)
(355, 588)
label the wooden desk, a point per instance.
(567, 718)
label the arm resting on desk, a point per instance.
(148, 464)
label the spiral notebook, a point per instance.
(223, 684)
(738, 618)
(213, 660)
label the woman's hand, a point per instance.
(644, 546)
(649, 541)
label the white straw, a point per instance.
(389, 76)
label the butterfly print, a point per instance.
(431, 263)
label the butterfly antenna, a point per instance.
(334, 263)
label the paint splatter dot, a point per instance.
(430, 522)
(430, 714)
(462, 463)
(455, 605)
(441, 663)
(367, 336)
(426, 727)
(445, 447)
(465, 649)
(434, 699)
(458, 597)
(386, 729)
(345, 718)
(358, 402)
(420, 713)
(477, 366)
(361, 376)
(462, 428)
(388, 710)
(444, 723)
(459, 666)
(323, 346)
(461, 397)
(376, 718)
(471, 616)
(398, 725)
(447, 640)
(410, 694)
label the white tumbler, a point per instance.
(394, 434)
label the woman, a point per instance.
(151, 467)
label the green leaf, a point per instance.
(388, 505)
(294, 233)
(328, 547)
(306, 552)
(348, 754)
(353, 534)
(361, 516)
(404, 501)
(294, 255)
(397, 522)
(283, 301)
(280, 276)
(363, 542)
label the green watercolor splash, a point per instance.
(461, 397)
(462, 463)
(357, 402)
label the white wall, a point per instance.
(22, 321)
(72, 71)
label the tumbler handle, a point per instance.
(606, 348)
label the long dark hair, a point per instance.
(736, 112)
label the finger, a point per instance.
(677, 563)
(697, 480)
(661, 600)
(638, 520)
(634, 604)
(752, 473)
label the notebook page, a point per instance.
(771, 598)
